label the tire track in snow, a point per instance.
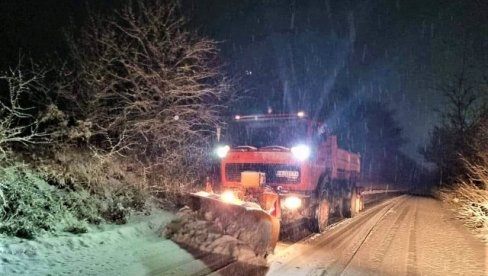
(412, 247)
(339, 265)
(337, 246)
(391, 233)
(337, 239)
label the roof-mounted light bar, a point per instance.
(299, 115)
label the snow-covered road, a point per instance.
(400, 236)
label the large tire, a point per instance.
(342, 207)
(352, 204)
(321, 217)
(359, 203)
(355, 204)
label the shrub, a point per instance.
(469, 198)
(30, 206)
(470, 203)
(104, 186)
(83, 206)
(79, 227)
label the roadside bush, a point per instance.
(469, 198)
(470, 203)
(80, 227)
(30, 206)
(83, 206)
(115, 183)
(121, 201)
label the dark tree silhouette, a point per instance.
(370, 129)
(144, 87)
(462, 131)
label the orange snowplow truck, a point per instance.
(288, 169)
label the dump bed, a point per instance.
(341, 163)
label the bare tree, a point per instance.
(460, 134)
(19, 124)
(465, 103)
(148, 88)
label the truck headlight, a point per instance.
(301, 152)
(292, 203)
(222, 151)
(228, 197)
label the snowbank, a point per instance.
(132, 249)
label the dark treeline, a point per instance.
(128, 113)
(325, 57)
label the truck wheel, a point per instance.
(346, 208)
(355, 204)
(321, 217)
(352, 205)
(361, 203)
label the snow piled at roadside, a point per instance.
(136, 248)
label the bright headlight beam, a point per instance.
(301, 152)
(222, 151)
(228, 197)
(292, 203)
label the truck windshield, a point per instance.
(285, 133)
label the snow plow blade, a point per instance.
(240, 229)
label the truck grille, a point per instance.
(275, 173)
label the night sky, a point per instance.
(318, 55)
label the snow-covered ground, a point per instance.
(136, 248)
(402, 236)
